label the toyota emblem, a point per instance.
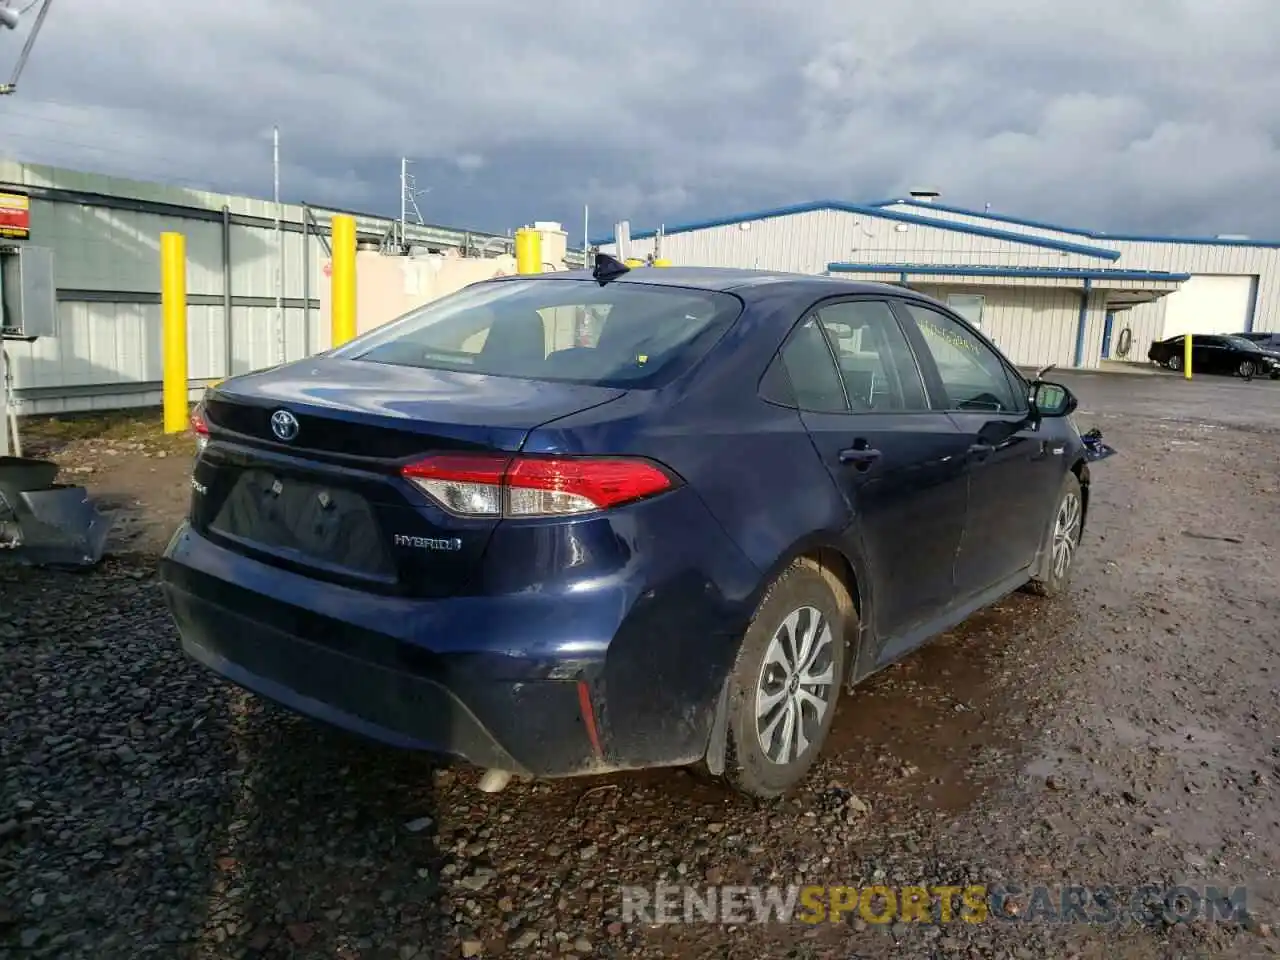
(284, 425)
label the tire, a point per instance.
(1246, 369)
(1175, 362)
(1067, 523)
(803, 597)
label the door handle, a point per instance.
(980, 451)
(861, 457)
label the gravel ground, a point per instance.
(1126, 734)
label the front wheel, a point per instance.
(787, 679)
(1063, 540)
(1246, 369)
(1175, 362)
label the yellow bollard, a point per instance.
(342, 282)
(1186, 356)
(662, 262)
(528, 251)
(173, 338)
(633, 262)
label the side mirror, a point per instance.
(1052, 399)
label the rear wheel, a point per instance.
(1175, 362)
(1064, 538)
(787, 679)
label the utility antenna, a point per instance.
(11, 18)
(409, 194)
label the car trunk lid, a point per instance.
(303, 466)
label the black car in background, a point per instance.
(1217, 353)
(1269, 342)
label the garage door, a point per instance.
(1210, 304)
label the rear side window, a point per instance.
(811, 369)
(621, 334)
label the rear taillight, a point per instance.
(200, 427)
(533, 486)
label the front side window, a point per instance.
(621, 334)
(972, 374)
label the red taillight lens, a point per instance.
(200, 427)
(483, 485)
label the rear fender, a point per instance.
(829, 551)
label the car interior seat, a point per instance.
(515, 342)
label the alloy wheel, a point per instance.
(1246, 368)
(796, 685)
(1066, 534)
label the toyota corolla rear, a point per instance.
(450, 535)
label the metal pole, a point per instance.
(8, 445)
(12, 85)
(275, 169)
(586, 234)
(173, 309)
(404, 200)
(229, 362)
(343, 281)
(306, 284)
(5, 449)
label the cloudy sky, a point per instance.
(1141, 115)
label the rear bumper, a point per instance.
(486, 689)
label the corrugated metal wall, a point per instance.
(807, 242)
(105, 237)
(1033, 326)
(1040, 325)
(1146, 322)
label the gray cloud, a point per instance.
(1152, 115)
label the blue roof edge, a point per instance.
(1074, 231)
(1102, 253)
(956, 270)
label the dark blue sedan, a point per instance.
(585, 522)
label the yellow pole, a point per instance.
(173, 309)
(1186, 356)
(528, 251)
(633, 262)
(342, 320)
(662, 262)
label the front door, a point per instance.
(1014, 474)
(899, 464)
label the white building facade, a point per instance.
(1044, 293)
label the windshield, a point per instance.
(621, 334)
(1240, 343)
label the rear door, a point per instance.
(899, 464)
(1014, 474)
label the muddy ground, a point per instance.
(1126, 734)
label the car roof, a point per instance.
(740, 282)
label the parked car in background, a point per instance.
(1217, 353)
(471, 532)
(1269, 342)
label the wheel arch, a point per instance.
(847, 576)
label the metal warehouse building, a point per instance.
(253, 286)
(1044, 293)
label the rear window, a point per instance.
(621, 334)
